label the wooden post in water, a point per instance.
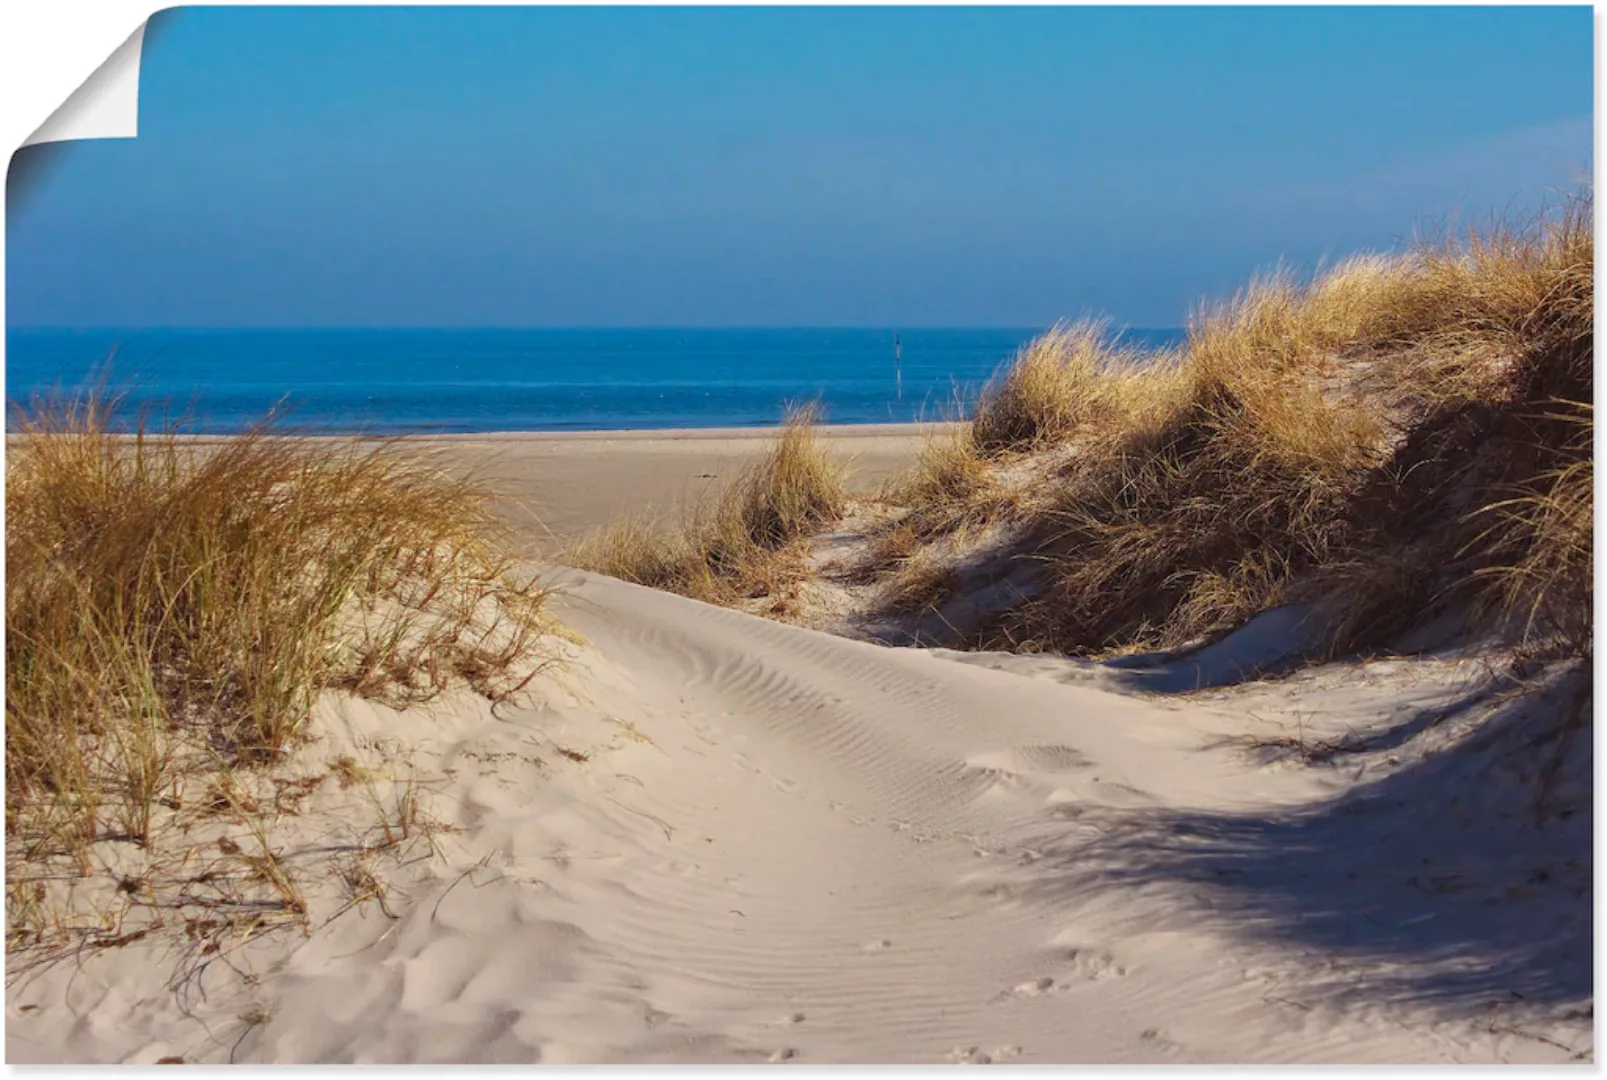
(898, 365)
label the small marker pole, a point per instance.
(898, 365)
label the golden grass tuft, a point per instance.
(748, 542)
(1060, 380)
(948, 469)
(175, 604)
(794, 491)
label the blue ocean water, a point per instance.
(521, 380)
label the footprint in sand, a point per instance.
(843, 809)
(1002, 891)
(1032, 988)
(1035, 987)
(878, 945)
(1009, 781)
(1157, 1040)
(1094, 964)
(970, 1055)
(1085, 964)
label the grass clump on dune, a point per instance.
(1401, 435)
(1062, 389)
(951, 485)
(176, 605)
(1073, 375)
(747, 542)
(1181, 519)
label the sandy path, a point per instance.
(722, 839)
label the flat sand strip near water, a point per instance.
(560, 484)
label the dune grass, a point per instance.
(1072, 376)
(747, 542)
(1400, 435)
(176, 605)
(1546, 528)
(924, 579)
(951, 486)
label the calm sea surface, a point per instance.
(522, 380)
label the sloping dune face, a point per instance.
(722, 839)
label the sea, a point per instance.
(464, 380)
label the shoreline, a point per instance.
(689, 434)
(828, 431)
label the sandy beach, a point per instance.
(710, 837)
(561, 484)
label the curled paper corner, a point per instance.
(106, 106)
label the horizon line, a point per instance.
(882, 327)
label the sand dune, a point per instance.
(713, 838)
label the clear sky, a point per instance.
(782, 166)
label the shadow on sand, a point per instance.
(1460, 880)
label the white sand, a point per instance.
(783, 845)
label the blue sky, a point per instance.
(780, 166)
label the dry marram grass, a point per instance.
(1401, 434)
(748, 542)
(1073, 375)
(175, 607)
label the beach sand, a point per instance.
(709, 837)
(561, 484)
